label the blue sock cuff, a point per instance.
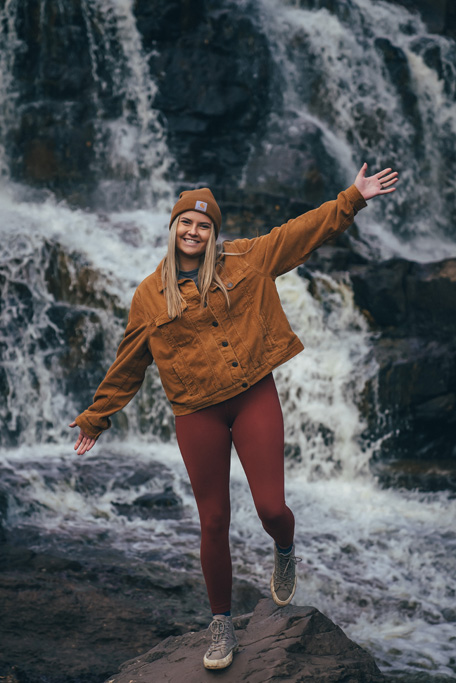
(225, 614)
(284, 551)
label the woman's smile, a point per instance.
(192, 235)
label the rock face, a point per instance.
(66, 620)
(214, 71)
(410, 405)
(291, 643)
(439, 15)
(413, 306)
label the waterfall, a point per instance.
(351, 81)
(365, 81)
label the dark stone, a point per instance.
(51, 142)
(397, 67)
(213, 69)
(166, 499)
(67, 621)
(411, 402)
(437, 475)
(162, 505)
(439, 15)
(414, 298)
(293, 643)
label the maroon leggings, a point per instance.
(253, 421)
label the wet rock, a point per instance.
(293, 643)
(161, 505)
(213, 69)
(411, 402)
(50, 142)
(67, 621)
(439, 15)
(437, 475)
(398, 69)
(412, 298)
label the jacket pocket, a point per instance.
(183, 377)
(177, 332)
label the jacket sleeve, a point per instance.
(123, 378)
(291, 244)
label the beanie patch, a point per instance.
(201, 200)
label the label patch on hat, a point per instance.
(201, 206)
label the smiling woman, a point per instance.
(192, 235)
(216, 339)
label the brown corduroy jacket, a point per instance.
(214, 353)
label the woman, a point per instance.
(212, 321)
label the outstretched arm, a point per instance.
(379, 183)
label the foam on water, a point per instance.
(381, 563)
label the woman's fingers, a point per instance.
(391, 176)
(83, 443)
(387, 181)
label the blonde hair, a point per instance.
(207, 274)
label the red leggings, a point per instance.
(253, 421)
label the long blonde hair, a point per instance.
(207, 274)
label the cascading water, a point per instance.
(368, 82)
(379, 562)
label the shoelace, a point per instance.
(281, 575)
(220, 634)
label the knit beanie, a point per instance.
(198, 200)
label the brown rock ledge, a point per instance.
(292, 643)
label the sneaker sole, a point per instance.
(220, 663)
(282, 603)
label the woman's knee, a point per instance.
(270, 513)
(215, 524)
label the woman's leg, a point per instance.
(257, 431)
(204, 439)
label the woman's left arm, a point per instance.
(291, 244)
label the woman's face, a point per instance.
(192, 235)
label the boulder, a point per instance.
(411, 401)
(409, 404)
(291, 643)
(67, 620)
(213, 68)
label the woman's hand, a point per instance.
(84, 442)
(380, 183)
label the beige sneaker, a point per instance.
(284, 579)
(224, 643)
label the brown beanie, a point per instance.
(198, 200)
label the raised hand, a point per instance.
(84, 443)
(374, 185)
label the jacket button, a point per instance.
(215, 324)
(235, 364)
(245, 385)
(229, 285)
(224, 343)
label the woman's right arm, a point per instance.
(122, 381)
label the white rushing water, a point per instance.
(335, 78)
(381, 563)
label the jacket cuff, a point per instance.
(88, 428)
(355, 197)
